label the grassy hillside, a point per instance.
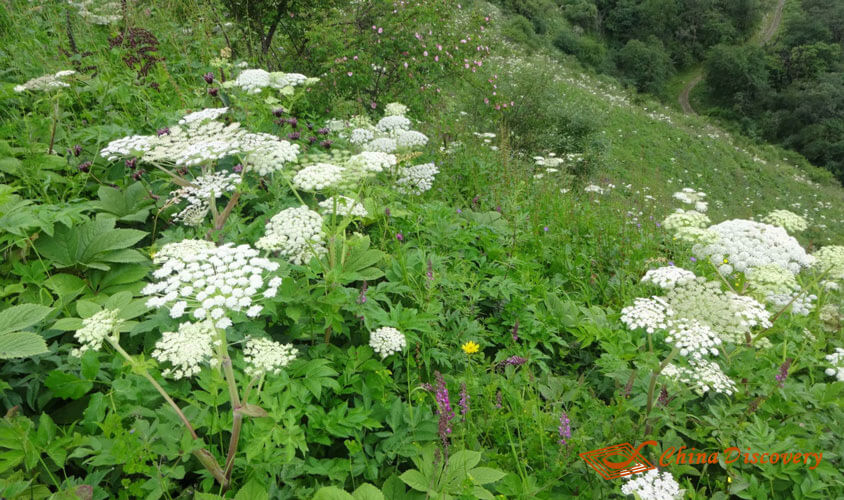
(477, 321)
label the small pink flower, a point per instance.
(349, 73)
(380, 30)
(425, 53)
(486, 100)
(437, 58)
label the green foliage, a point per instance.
(94, 244)
(646, 65)
(15, 343)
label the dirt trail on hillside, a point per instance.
(768, 32)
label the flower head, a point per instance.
(267, 356)
(187, 349)
(387, 340)
(95, 329)
(470, 347)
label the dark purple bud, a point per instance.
(138, 173)
(325, 144)
(132, 163)
(514, 361)
(312, 139)
(515, 332)
(77, 150)
(277, 112)
(162, 131)
(85, 166)
(209, 78)
(323, 131)
(498, 208)
(426, 387)
(475, 201)
(310, 126)
(294, 136)
(293, 122)
(399, 236)
(237, 168)
(182, 171)
(387, 212)
(663, 397)
(213, 91)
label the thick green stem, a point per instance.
(652, 386)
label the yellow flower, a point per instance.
(729, 479)
(726, 261)
(470, 347)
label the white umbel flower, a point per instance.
(361, 136)
(787, 220)
(296, 233)
(199, 195)
(836, 360)
(382, 144)
(203, 115)
(387, 340)
(187, 350)
(372, 161)
(685, 218)
(395, 109)
(668, 277)
(46, 83)
(830, 259)
(267, 356)
(266, 153)
(743, 244)
(703, 376)
(94, 331)
(211, 282)
(393, 124)
(410, 140)
(651, 314)
(652, 485)
(416, 179)
(318, 176)
(344, 206)
(690, 196)
(693, 338)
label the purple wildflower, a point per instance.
(237, 168)
(430, 273)
(162, 131)
(545, 229)
(459, 211)
(387, 212)
(514, 361)
(325, 144)
(138, 173)
(213, 91)
(515, 332)
(362, 296)
(294, 136)
(293, 122)
(399, 236)
(132, 163)
(663, 397)
(564, 430)
(312, 139)
(85, 166)
(498, 397)
(426, 387)
(783, 374)
(464, 400)
(209, 78)
(693, 259)
(444, 412)
(277, 112)
(323, 131)
(76, 150)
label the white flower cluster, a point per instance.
(199, 195)
(94, 331)
(372, 161)
(552, 161)
(830, 258)
(382, 144)
(410, 140)
(695, 235)
(731, 315)
(203, 115)
(393, 124)
(787, 220)
(361, 136)
(836, 360)
(416, 179)
(296, 233)
(703, 375)
(652, 485)
(102, 14)
(668, 277)
(801, 304)
(743, 244)
(267, 356)
(693, 338)
(651, 314)
(46, 82)
(188, 349)
(691, 197)
(395, 109)
(343, 206)
(594, 188)
(202, 139)
(779, 288)
(387, 340)
(830, 317)
(685, 218)
(254, 80)
(318, 176)
(209, 281)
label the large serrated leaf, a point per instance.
(332, 493)
(21, 316)
(21, 345)
(415, 480)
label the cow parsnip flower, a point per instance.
(386, 341)
(318, 177)
(265, 356)
(685, 218)
(198, 195)
(830, 258)
(668, 277)
(651, 314)
(95, 329)
(787, 220)
(343, 206)
(693, 338)
(416, 179)
(46, 83)
(652, 485)
(836, 360)
(703, 376)
(395, 109)
(210, 282)
(188, 349)
(296, 233)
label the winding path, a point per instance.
(768, 31)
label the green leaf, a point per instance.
(91, 365)
(21, 345)
(393, 488)
(332, 493)
(253, 490)
(19, 317)
(86, 308)
(485, 475)
(415, 480)
(368, 492)
(482, 493)
(67, 324)
(67, 386)
(66, 286)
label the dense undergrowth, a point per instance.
(221, 281)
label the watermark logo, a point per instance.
(618, 461)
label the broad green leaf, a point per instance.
(67, 324)
(415, 480)
(367, 492)
(86, 308)
(67, 386)
(482, 493)
(393, 488)
(66, 286)
(332, 493)
(253, 490)
(21, 316)
(21, 345)
(485, 475)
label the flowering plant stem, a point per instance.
(237, 415)
(204, 456)
(652, 386)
